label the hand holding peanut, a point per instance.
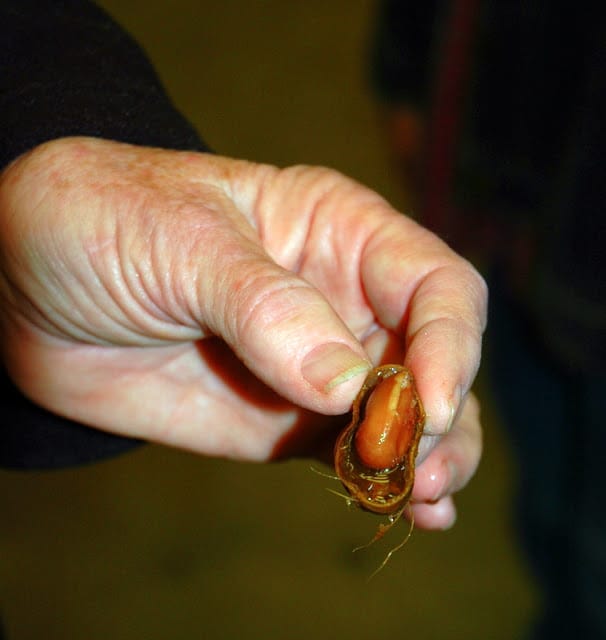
(216, 304)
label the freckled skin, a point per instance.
(375, 454)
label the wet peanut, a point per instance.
(375, 454)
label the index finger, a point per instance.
(422, 290)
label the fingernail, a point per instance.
(434, 427)
(454, 406)
(332, 364)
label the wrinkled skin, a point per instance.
(224, 306)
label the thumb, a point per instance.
(284, 331)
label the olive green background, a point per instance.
(163, 544)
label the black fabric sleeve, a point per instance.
(66, 68)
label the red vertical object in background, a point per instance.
(444, 124)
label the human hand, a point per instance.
(131, 276)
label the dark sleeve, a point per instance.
(67, 69)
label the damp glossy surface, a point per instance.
(375, 454)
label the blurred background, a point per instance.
(160, 543)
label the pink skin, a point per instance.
(447, 469)
(121, 266)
